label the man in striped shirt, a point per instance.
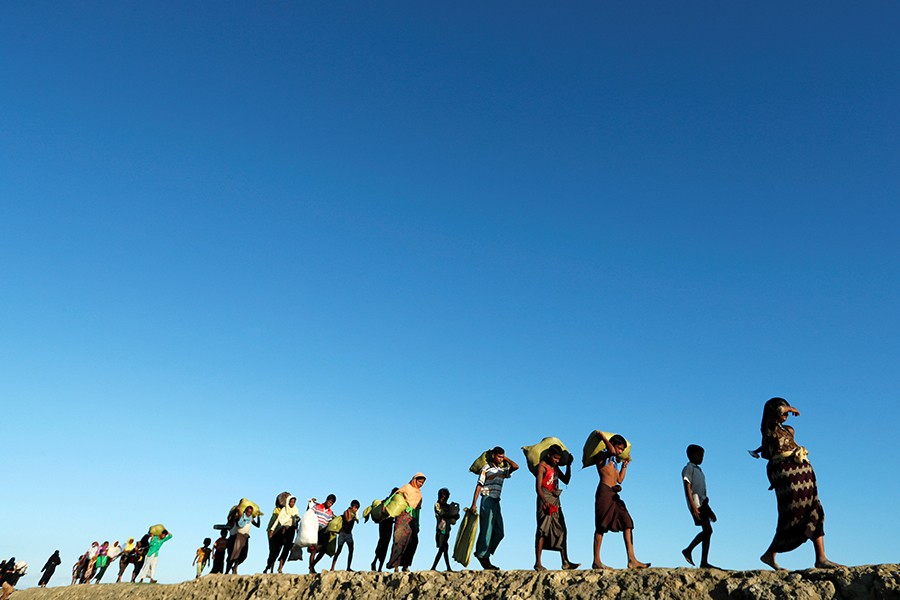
(324, 514)
(499, 467)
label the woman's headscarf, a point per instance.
(413, 494)
(772, 411)
(129, 545)
(287, 514)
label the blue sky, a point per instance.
(254, 247)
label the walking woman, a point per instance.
(800, 514)
(49, 569)
(406, 525)
(282, 531)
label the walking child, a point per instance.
(698, 505)
(219, 550)
(446, 515)
(201, 558)
(345, 536)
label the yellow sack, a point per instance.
(480, 462)
(465, 538)
(594, 445)
(535, 454)
(157, 529)
(243, 506)
(395, 505)
(335, 524)
(379, 513)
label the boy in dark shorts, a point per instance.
(698, 504)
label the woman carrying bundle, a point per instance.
(406, 525)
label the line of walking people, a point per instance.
(322, 533)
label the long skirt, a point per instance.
(49, 570)
(800, 514)
(551, 524)
(610, 513)
(406, 539)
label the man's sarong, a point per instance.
(610, 513)
(551, 524)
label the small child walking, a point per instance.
(345, 536)
(201, 559)
(446, 515)
(698, 504)
(219, 550)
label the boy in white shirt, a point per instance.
(698, 504)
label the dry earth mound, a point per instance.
(856, 583)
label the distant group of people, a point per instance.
(142, 556)
(10, 573)
(321, 533)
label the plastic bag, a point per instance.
(308, 532)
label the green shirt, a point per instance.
(156, 543)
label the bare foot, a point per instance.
(600, 565)
(636, 564)
(539, 568)
(709, 566)
(769, 559)
(687, 556)
(827, 564)
(568, 566)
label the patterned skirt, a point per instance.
(800, 514)
(406, 539)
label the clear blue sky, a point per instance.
(254, 247)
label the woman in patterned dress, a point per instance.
(800, 514)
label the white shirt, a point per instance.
(694, 476)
